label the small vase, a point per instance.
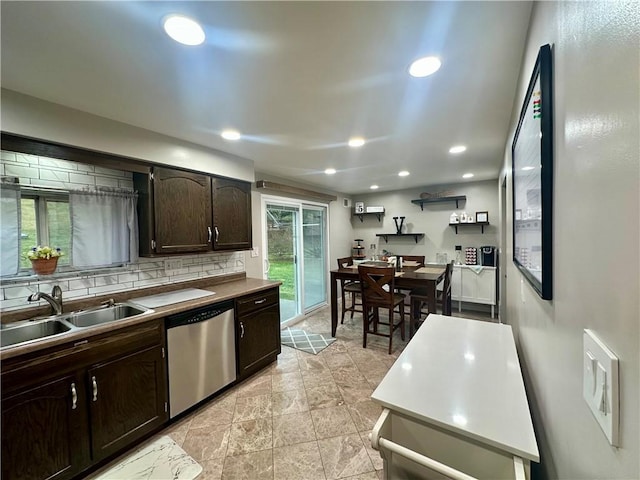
(44, 266)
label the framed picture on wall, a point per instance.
(482, 217)
(359, 206)
(532, 167)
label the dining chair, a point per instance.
(351, 287)
(419, 259)
(377, 290)
(419, 299)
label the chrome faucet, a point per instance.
(55, 299)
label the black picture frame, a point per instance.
(482, 217)
(532, 173)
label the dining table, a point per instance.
(424, 277)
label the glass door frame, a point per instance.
(300, 204)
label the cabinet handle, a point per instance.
(94, 383)
(241, 330)
(74, 396)
(209, 238)
(258, 302)
(217, 233)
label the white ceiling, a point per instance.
(297, 79)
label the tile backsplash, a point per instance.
(33, 170)
(146, 272)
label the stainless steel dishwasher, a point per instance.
(201, 354)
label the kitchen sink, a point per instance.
(22, 332)
(39, 328)
(104, 314)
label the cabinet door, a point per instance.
(182, 211)
(479, 287)
(456, 283)
(469, 285)
(45, 431)
(127, 399)
(258, 339)
(486, 287)
(231, 214)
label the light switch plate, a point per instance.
(600, 384)
(255, 252)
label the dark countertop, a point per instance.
(234, 288)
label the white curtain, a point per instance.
(9, 228)
(104, 227)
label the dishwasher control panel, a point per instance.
(198, 315)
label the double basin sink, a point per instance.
(31, 330)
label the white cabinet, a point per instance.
(474, 284)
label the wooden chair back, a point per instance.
(446, 290)
(345, 262)
(372, 283)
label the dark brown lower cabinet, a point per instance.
(127, 400)
(257, 331)
(44, 431)
(67, 408)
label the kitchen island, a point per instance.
(454, 403)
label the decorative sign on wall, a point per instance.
(532, 162)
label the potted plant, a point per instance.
(44, 260)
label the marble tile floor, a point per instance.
(304, 417)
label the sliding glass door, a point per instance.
(296, 251)
(314, 227)
(281, 253)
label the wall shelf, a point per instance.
(456, 198)
(363, 214)
(386, 236)
(464, 224)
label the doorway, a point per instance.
(295, 249)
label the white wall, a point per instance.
(433, 220)
(35, 118)
(596, 236)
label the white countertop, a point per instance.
(169, 298)
(464, 376)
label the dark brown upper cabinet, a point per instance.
(231, 214)
(174, 211)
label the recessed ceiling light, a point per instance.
(230, 135)
(183, 29)
(356, 142)
(423, 67)
(403, 173)
(330, 171)
(457, 149)
(467, 175)
(374, 187)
